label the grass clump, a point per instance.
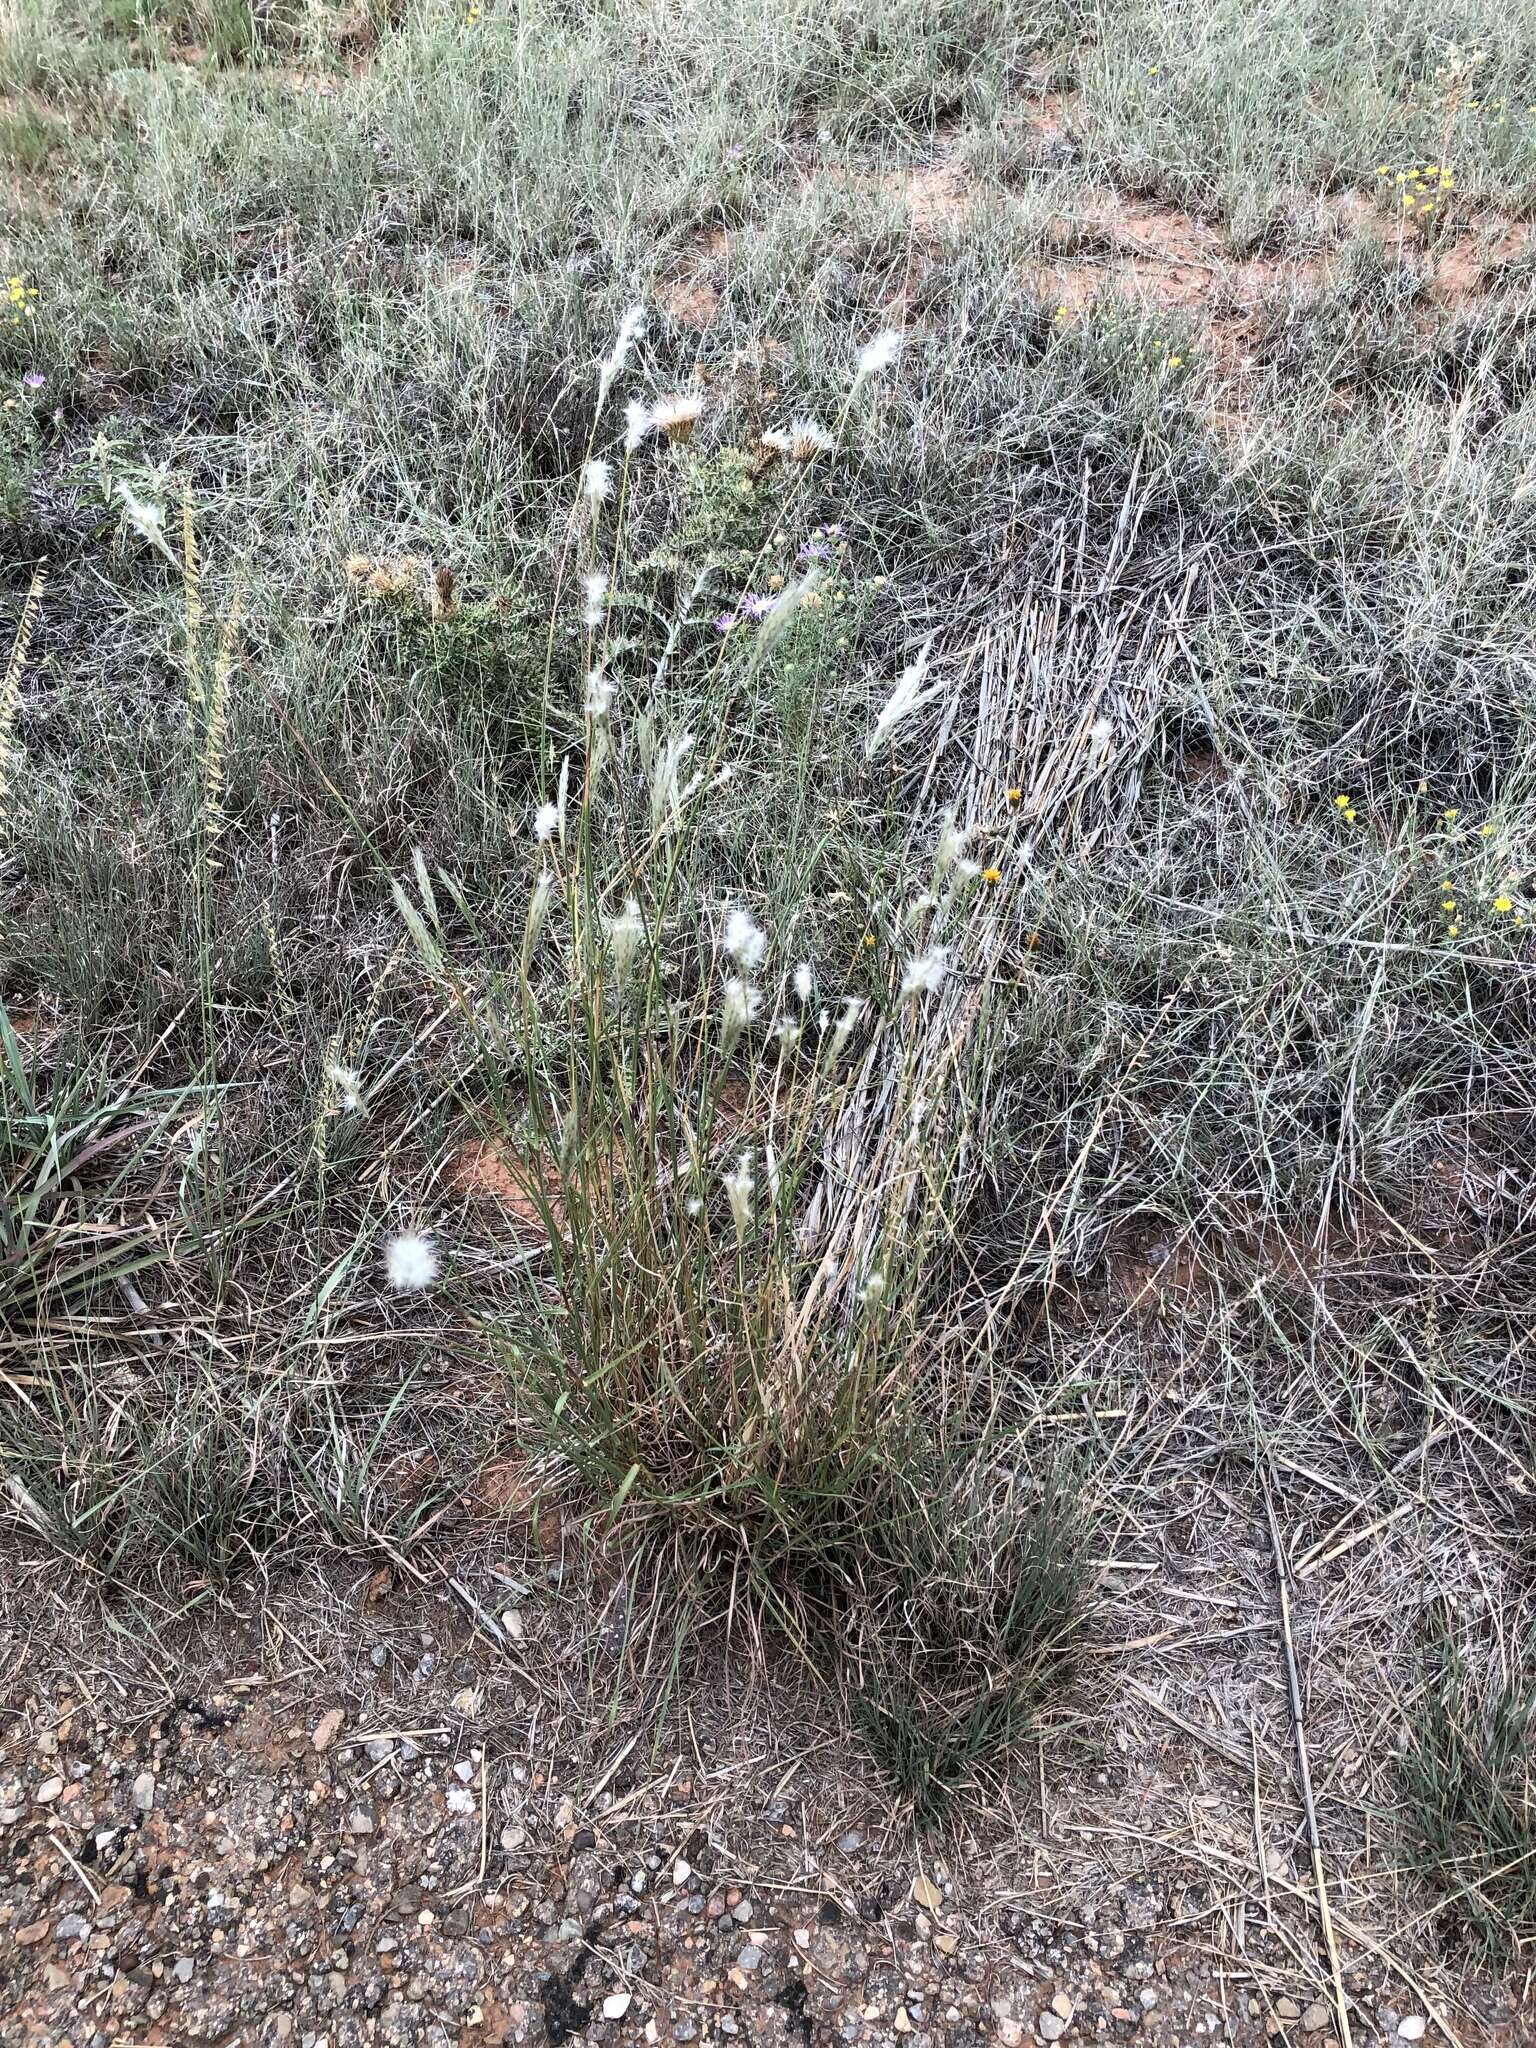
(737, 1344)
(1469, 1789)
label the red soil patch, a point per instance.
(1172, 262)
(691, 297)
(486, 1172)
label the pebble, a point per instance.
(1316, 2017)
(360, 1819)
(1050, 2026)
(144, 1791)
(750, 1956)
(616, 2004)
(49, 1790)
(1412, 2027)
(1062, 2006)
(182, 1969)
(73, 1927)
(327, 1728)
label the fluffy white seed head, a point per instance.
(877, 355)
(410, 1262)
(808, 439)
(745, 940)
(907, 697)
(803, 981)
(742, 1003)
(925, 972)
(953, 841)
(631, 327)
(596, 589)
(676, 414)
(625, 934)
(348, 1086)
(599, 700)
(738, 1192)
(853, 1010)
(670, 789)
(596, 481)
(637, 424)
(546, 822)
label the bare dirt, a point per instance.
(446, 1799)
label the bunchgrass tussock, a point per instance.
(729, 1343)
(1468, 1783)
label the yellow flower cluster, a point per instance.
(1503, 903)
(20, 294)
(1419, 188)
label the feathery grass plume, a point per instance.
(599, 697)
(631, 328)
(669, 791)
(739, 1187)
(10, 687)
(953, 841)
(742, 1003)
(745, 940)
(925, 972)
(1100, 733)
(595, 590)
(676, 415)
(637, 424)
(907, 697)
(780, 615)
(876, 356)
(538, 911)
(847, 1024)
(347, 1087)
(410, 1262)
(803, 981)
(626, 933)
(546, 822)
(596, 481)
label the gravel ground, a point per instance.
(393, 1834)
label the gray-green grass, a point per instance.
(296, 315)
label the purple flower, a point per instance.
(755, 607)
(725, 622)
(813, 551)
(34, 380)
(737, 149)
